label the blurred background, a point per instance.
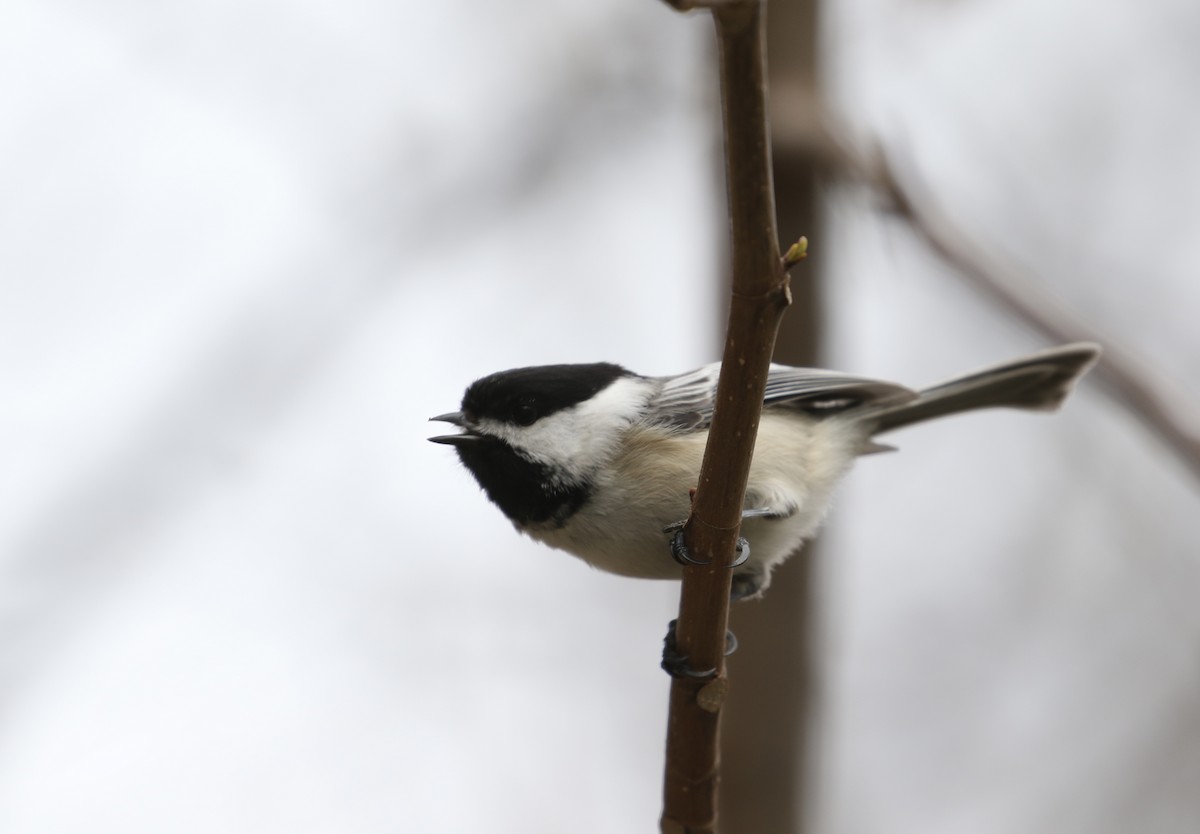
(247, 249)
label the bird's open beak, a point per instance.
(454, 418)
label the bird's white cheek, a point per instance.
(577, 441)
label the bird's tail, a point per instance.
(1039, 382)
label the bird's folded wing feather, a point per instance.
(686, 401)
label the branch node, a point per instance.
(711, 696)
(780, 293)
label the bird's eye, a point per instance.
(525, 413)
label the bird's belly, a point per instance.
(641, 549)
(620, 528)
(630, 544)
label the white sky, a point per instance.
(247, 249)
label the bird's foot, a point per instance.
(746, 586)
(675, 664)
(680, 554)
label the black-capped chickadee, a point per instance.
(598, 461)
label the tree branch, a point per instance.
(759, 297)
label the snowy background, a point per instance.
(246, 250)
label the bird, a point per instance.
(598, 461)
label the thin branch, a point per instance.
(759, 297)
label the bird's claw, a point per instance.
(675, 664)
(680, 554)
(679, 551)
(743, 553)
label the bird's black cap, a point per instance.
(525, 395)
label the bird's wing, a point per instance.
(685, 402)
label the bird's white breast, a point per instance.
(797, 463)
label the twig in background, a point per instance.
(1138, 387)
